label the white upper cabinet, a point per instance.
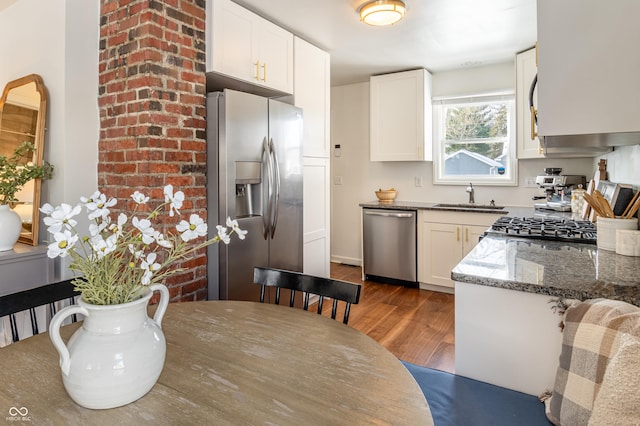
(588, 63)
(400, 116)
(250, 48)
(526, 69)
(312, 94)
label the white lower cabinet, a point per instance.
(316, 221)
(25, 267)
(488, 318)
(444, 239)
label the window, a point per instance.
(474, 140)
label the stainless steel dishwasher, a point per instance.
(389, 245)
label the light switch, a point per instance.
(337, 180)
(337, 152)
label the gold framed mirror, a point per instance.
(23, 108)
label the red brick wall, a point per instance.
(152, 111)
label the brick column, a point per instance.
(152, 111)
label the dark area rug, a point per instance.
(460, 401)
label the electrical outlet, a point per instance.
(337, 180)
(418, 180)
(530, 182)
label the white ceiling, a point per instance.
(435, 34)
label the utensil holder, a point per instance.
(606, 231)
(628, 242)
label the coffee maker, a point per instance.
(557, 189)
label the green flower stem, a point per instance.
(117, 276)
(15, 173)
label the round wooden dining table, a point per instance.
(233, 363)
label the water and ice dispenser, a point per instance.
(248, 188)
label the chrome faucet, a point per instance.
(471, 191)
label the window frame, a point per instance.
(439, 104)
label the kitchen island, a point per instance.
(558, 269)
(507, 293)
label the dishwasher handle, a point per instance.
(387, 214)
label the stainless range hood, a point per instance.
(589, 145)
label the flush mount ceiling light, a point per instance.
(382, 12)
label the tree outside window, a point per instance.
(475, 141)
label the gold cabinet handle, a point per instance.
(466, 235)
(256, 64)
(534, 134)
(264, 72)
(457, 233)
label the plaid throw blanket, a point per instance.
(592, 336)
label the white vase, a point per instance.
(10, 227)
(117, 355)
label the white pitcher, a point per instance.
(117, 355)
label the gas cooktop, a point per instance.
(553, 229)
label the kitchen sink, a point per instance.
(469, 206)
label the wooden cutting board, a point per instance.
(600, 174)
(586, 208)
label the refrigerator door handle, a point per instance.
(276, 178)
(266, 158)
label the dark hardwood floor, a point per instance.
(415, 325)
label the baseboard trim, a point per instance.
(438, 288)
(347, 260)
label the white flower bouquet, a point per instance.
(121, 256)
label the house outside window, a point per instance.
(474, 140)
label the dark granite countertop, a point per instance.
(422, 205)
(568, 270)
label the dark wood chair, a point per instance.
(308, 285)
(11, 304)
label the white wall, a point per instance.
(81, 120)
(622, 165)
(58, 39)
(360, 177)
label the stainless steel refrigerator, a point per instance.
(254, 161)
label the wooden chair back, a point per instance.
(11, 304)
(308, 285)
